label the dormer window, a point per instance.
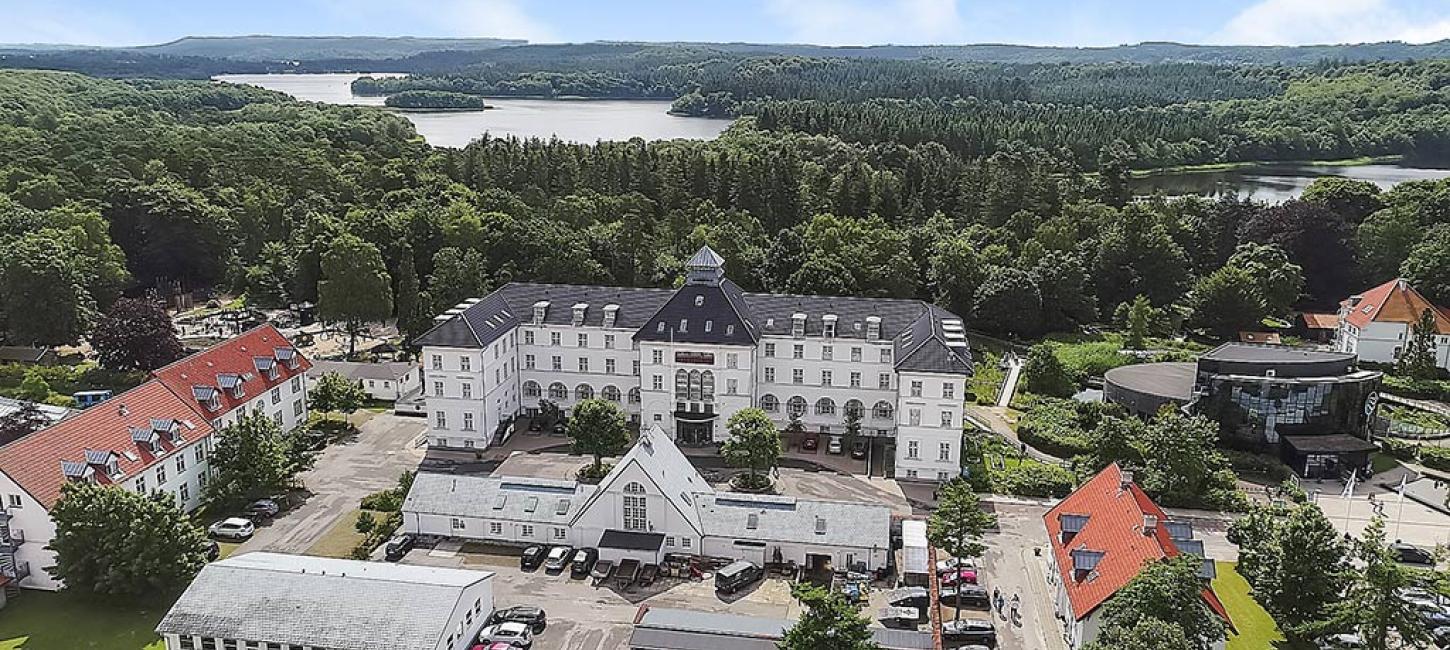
(699, 301)
(579, 311)
(104, 460)
(207, 396)
(146, 439)
(1071, 525)
(1084, 562)
(266, 366)
(798, 325)
(80, 472)
(828, 324)
(541, 309)
(684, 325)
(611, 312)
(873, 328)
(231, 383)
(288, 356)
(708, 325)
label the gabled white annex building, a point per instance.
(686, 359)
(652, 503)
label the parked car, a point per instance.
(262, 509)
(858, 450)
(536, 424)
(533, 617)
(970, 631)
(909, 597)
(946, 566)
(834, 446)
(558, 558)
(533, 556)
(398, 546)
(584, 559)
(969, 595)
(899, 616)
(810, 443)
(1412, 555)
(514, 634)
(647, 574)
(560, 428)
(232, 528)
(959, 576)
(602, 570)
(736, 576)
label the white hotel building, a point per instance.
(688, 358)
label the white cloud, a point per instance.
(1300, 22)
(869, 22)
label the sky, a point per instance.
(826, 22)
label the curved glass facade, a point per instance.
(1259, 410)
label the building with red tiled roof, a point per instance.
(155, 437)
(1101, 536)
(1376, 324)
(259, 370)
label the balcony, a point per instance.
(16, 538)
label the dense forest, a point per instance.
(111, 187)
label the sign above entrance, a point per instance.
(706, 358)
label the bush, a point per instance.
(1057, 427)
(1263, 466)
(381, 532)
(1400, 449)
(590, 475)
(1084, 360)
(743, 483)
(1032, 479)
(1437, 458)
(390, 500)
(365, 522)
(1434, 389)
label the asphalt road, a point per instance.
(345, 472)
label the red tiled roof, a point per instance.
(1114, 528)
(237, 357)
(34, 461)
(1393, 302)
(1320, 321)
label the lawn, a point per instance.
(1256, 630)
(1382, 462)
(40, 620)
(339, 540)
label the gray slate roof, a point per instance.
(52, 414)
(662, 628)
(786, 519)
(663, 462)
(505, 498)
(390, 371)
(323, 602)
(725, 308)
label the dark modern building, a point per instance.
(1308, 405)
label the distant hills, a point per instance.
(294, 48)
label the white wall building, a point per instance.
(652, 503)
(1377, 324)
(155, 438)
(275, 601)
(687, 359)
(387, 381)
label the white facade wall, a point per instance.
(286, 404)
(509, 531)
(31, 519)
(731, 368)
(779, 369)
(661, 515)
(1381, 342)
(929, 425)
(762, 552)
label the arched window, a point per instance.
(825, 406)
(882, 410)
(769, 404)
(682, 385)
(532, 389)
(796, 406)
(707, 385)
(854, 408)
(583, 392)
(636, 511)
(694, 385)
(634, 395)
(610, 393)
(558, 391)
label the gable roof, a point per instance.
(664, 465)
(1110, 517)
(1392, 302)
(35, 461)
(387, 371)
(1320, 321)
(721, 307)
(227, 362)
(323, 602)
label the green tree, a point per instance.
(1182, 464)
(1044, 374)
(335, 393)
(43, 288)
(355, 289)
(958, 523)
(1227, 301)
(1067, 295)
(829, 623)
(597, 428)
(1116, 440)
(117, 543)
(754, 443)
(411, 314)
(1146, 633)
(366, 522)
(136, 334)
(1009, 302)
(1169, 591)
(1296, 563)
(1417, 361)
(249, 460)
(458, 274)
(171, 232)
(269, 281)
(1279, 280)
(1140, 317)
(1373, 605)
(1353, 200)
(33, 387)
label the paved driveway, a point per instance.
(344, 474)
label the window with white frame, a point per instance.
(636, 368)
(855, 354)
(855, 380)
(636, 513)
(526, 530)
(948, 390)
(770, 349)
(438, 389)
(657, 383)
(276, 395)
(609, 366)
(467, 390)
(440, 420)
(946, 419)
(732, 360)
(657, 357)
(528, 337)
(883, 380)
(467, 421)
(529, 362)
(944, 453)
(583, 364)
(825, 378)
(495, 528)
(797, 376)
(914, 417)
(913, 449)
(770, 375)
(437, 362)
(609, 341)
(827, 352)
(916, 388)
(556, 339)
(885, 355)
(557, 363)
(583, 340)
(464, 362)
(798, 351)
(455, 523)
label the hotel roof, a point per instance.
(1392, 302)
(225, 363)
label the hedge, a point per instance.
(1055, 426)
(1247, 463)
(1032, 479)
(1437, 458)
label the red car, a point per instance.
(961, 576)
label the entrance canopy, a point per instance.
(616, 545)
(1333, 443)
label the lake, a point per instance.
(1275, 183)
(573, 120)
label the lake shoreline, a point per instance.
(1208, 168)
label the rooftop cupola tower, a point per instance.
(705, 268)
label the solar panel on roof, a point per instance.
(1190, 546)
(1073, 523)
(1179, 530)
(562, 508)
(531, 504)
(499, 500)
(73, 469)
(1085, 560)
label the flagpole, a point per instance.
(1349, 497)
(1401, 514)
